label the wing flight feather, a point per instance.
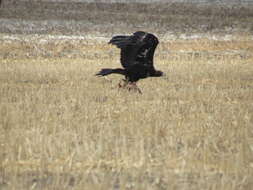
(137, 48)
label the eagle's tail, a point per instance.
(105, 72)
(120, 41)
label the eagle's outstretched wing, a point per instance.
(138, 48)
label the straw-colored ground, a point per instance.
(63, 128)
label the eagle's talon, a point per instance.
(133, 87)
(120, 85)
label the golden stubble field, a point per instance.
(63, 128)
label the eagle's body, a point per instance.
(137, 52)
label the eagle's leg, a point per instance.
(124, 81)
(133, 86)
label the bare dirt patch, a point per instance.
(74, 18)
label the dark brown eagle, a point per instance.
(137, 52)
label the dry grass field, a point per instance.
(63, 128)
